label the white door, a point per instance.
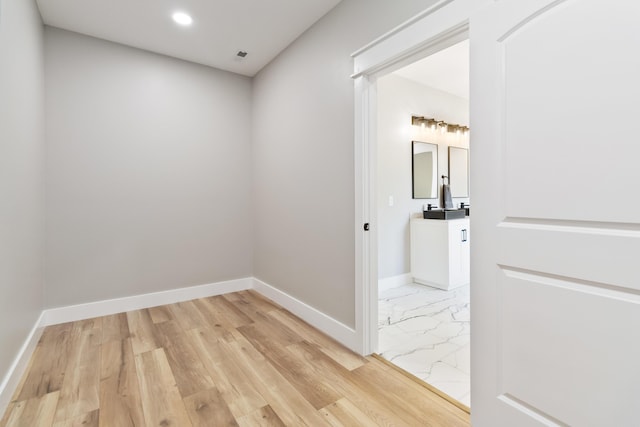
(555, 108)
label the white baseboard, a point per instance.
(53, 316)
(394, 281)
(330, 326)
(337, 330)
(18, 367)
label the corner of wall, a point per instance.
(337, 330)
(19, 366)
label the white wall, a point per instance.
(21, 181)
(148, 171)
(303, 156)
(398, 100)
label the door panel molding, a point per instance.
(555, 340)
(597, 255)
(555, 290)
(534, 413)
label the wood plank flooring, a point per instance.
(232, 360)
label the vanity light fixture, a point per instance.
(433, 124)
(423, 122)
(182, 18)
(418, 121)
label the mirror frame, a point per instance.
(435, 165)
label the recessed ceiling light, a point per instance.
(182, 18)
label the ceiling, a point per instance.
(220, 28)
(447, 70)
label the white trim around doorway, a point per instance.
(442, 25)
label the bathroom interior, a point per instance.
(423, 192)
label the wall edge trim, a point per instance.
(337, 330)
(54, 316)
(394, 281)
(17, 369)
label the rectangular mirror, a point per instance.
(459, 171)
(424, 167)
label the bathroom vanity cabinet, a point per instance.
(440, 252)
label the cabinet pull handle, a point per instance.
(464, 234)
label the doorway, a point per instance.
(443, 25)
(423, 323)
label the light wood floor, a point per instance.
(232, 360)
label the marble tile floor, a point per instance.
(425, 331)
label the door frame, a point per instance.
(440, 26)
